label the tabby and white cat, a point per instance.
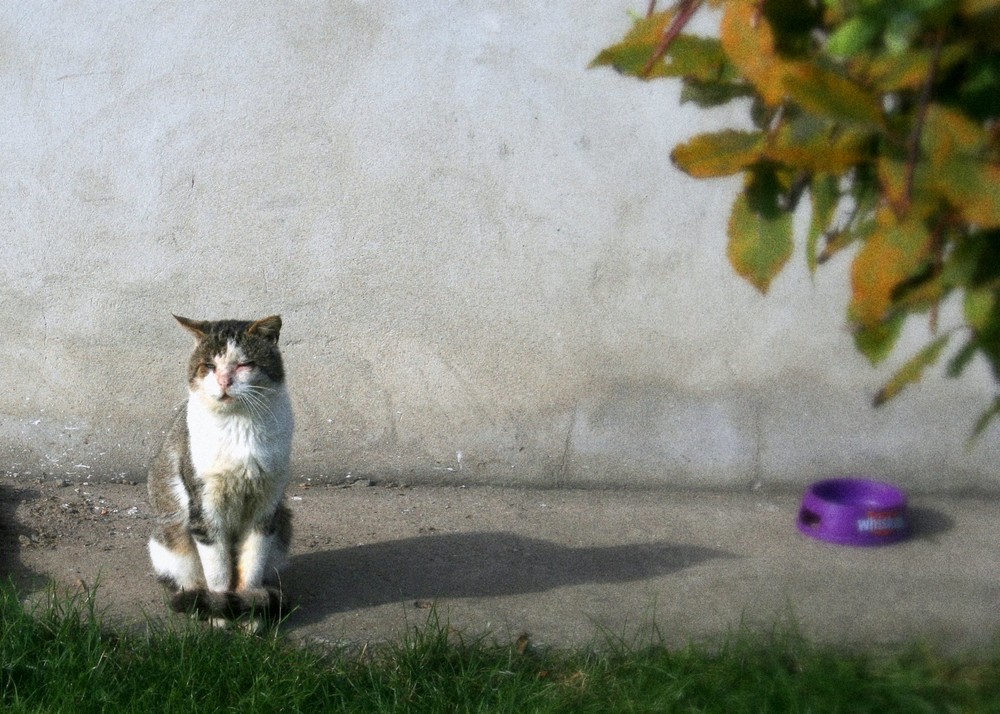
(217, 485)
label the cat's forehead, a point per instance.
(226, 348)
(228, 351)
(224, 337)
(223, 331)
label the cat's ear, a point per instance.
(198, 328)
(269, 328)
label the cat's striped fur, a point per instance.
(217, 484)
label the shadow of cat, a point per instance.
(468, 565)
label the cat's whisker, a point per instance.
(256, 398)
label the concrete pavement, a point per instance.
(564, 566)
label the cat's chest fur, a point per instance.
(236, 447)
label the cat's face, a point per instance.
(235, 363)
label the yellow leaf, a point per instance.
(957, 149)
(891, 72)
(971, 187)
(631, 55)
(820, 152)
(948, 131)
(895, 251)
(720, 154)
(748, 40)
(893, 178)
(971, 8)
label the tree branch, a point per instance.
(913, 142)
(685, 11)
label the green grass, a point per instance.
(58, 657)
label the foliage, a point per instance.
(885, 113)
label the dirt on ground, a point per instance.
(369, 561)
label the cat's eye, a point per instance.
(246, 365)
(207, 366)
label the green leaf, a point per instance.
(971, 186)
(986, 329)
(760, 235)
(794, 23)
(961, 360)
(912, 371)
(922, 292)
(980, 307)
(825, 192)
(978, 93)
(974, 261)
(864, 196)
(720, 154)
(877, 341)
(984, 419)
(902, 28)
(829, 95)
(713, 94)
(852, 36)
(698, 58)
(689, 56)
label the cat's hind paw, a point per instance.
(267, 602)
(264, 604)
(206, 604)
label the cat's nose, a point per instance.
(224, 378)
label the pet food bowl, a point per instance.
(853, 511)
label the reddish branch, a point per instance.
(685, 11)
(913, 143)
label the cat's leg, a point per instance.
(217, 603)
(254, 560)
(177, 564)
(261, 554)
(175, 558)
(216, 563)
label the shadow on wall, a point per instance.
(468, 565)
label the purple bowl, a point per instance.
(853, 511)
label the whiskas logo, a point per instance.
(882, 523)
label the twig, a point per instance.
(938, 244)
(685, 11)
(913, 142)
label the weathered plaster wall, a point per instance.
(487, 267)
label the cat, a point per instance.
(217, 485)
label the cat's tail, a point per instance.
(266, 603)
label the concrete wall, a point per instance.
(488, 269)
